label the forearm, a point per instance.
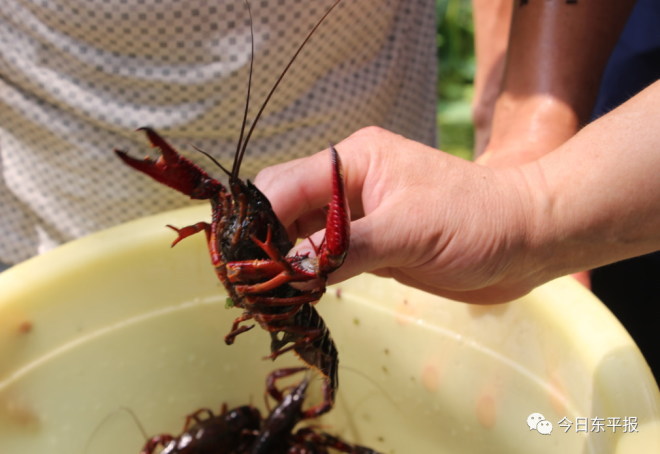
(492, 21)
(556, 55)
(597, 198)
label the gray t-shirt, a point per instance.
(77, 77)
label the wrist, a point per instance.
(529, 234)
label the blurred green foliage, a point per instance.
(456, 65)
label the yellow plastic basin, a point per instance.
(119, 321)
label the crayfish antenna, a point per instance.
(240, 149)
(107, 418)
(215, 161)
(242, 144)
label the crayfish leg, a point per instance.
(185, 232)
(326, 405)
(271, 389)
(267, 246)
(304, 337)
(196, 417)
(236, 329)
(323, 439)
(154, 442)
(280, 279)
(278, 395)
(298, 301)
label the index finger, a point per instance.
(298, 190)
(297, 187)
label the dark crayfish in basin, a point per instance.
(242, 430)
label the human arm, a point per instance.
(492, 21)
(481, 234)
(556, 55)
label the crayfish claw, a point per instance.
(170, 156)
(174, 170)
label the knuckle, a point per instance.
(265, 177)
(370, 133)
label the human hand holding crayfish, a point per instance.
(413, 211)
(480, 234)
(424, 217)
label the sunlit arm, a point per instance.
(556, 55)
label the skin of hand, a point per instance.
(480, 234)
(555, 57)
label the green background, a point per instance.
(456, 66)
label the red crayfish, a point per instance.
(248, 247)
(243, 431)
